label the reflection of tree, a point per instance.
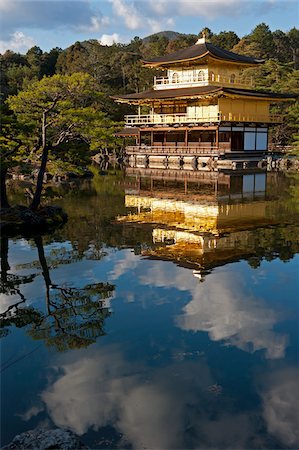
(10, 285)
(74, 317)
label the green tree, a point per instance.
(60, 109)
(34, 60)
(49, 61)
(225, 39)
(15, 139)
(282, 52)
(262, 37)
(293, 36)
(206, 32)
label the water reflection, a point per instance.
(201, 350)
(203, 220)
(280, 405)
(169, 407)
(73, 317)
(228, 313)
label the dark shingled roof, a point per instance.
(254, 93)
(127, 132)
(200, 50)
(161, 94)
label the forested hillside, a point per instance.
(118, 68)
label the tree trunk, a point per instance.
(296, 58)
(4, 258)
(45, 270)
(40, 177)
(3, 193)
(42, 260)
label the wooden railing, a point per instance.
(183, 118)
(161, 150)
(261, 118)
(185, 81)
(148, 119)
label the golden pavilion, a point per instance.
(202, 107)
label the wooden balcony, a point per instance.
(172, 119)
(183, 82)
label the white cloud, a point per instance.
(18, 42)
(201, 8)
(139, 15)
(128, 12)
(155, 25)
(97, 23)
(109, 39)
(80, 15)
(170, 22)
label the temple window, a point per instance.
(212, 76)
(224, 136)
(208, 136)
(200, 76)
(175, 78)
(232, 78)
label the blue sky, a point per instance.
(59, 23)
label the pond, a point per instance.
(163, 315)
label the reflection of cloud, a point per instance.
(6, 301)
(281, 406)
(32, 412)
(164, 274)
(172, 408)
(129, 261)
(87, 393)
(220, 308)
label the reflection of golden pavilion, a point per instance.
(207, 217)
(200, 230)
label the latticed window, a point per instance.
(212, 75)
(232, 78)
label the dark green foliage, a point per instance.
(225, 39)
(262, 37)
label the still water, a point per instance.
(163, 315)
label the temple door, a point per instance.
(237, 141)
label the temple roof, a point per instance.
(163, 94)
(127, 132)
(198, 51)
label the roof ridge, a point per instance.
(199, 50)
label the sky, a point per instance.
(60, 23)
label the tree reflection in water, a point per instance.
(73, 318)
